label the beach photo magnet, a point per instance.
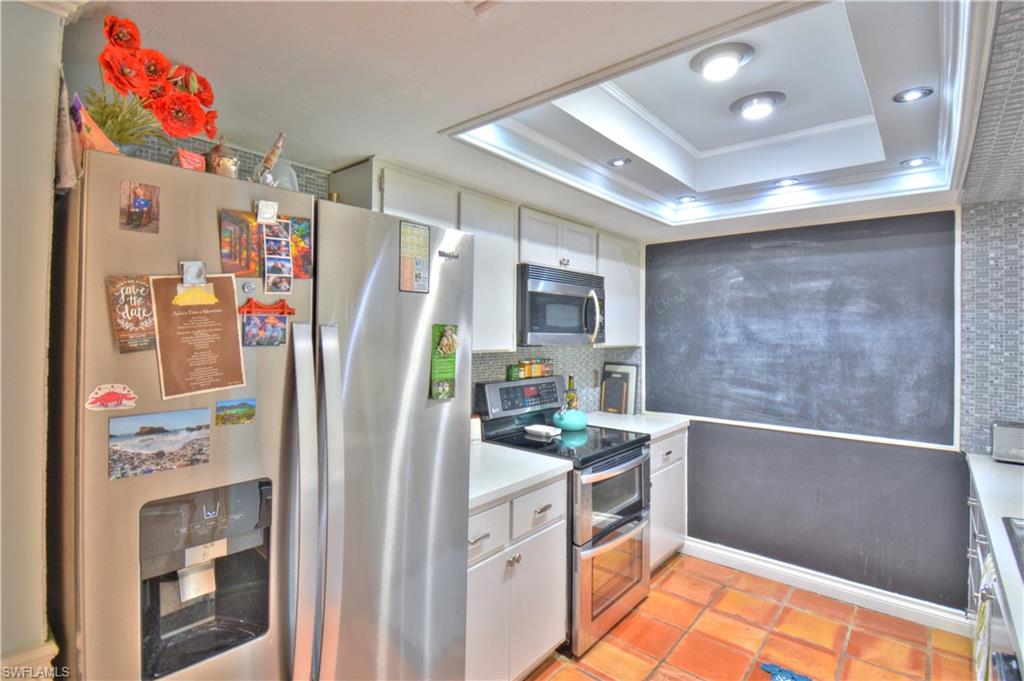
(149, 443)
(237, 412)
(140, 207)
(111, 396)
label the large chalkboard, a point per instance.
(846, 328)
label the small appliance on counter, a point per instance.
(609, 497)
(1008, 441)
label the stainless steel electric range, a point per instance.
(609, 498)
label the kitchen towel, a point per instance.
(983, 625)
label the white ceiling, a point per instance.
(350, 80)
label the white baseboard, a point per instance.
(905, 607)
(39, 657)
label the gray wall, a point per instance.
(992, 320)
(886, 516)
(579, 360)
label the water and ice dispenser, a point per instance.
(205, 569)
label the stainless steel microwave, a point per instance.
(559, 307)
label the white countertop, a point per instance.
(496, 472)
(1001, 493)
(655, 424)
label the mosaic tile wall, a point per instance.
(581, 361)
(992, 320)
(310, 181)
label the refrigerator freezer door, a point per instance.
(401, 611)
(105, 536)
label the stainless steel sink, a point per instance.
(1015, 528)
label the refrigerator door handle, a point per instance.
(308, 578)
(332, 510)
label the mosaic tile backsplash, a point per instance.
(580, 361)
(992, 315)
(310, 181)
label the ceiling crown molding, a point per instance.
(67, 10)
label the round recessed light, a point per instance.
(788, 182)
(721, 62)
(683, 200)
(757, 106)
(916, 162)
(620, 162)
(912, 95)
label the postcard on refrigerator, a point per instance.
(414, 258)
(147, 443)
(264, 330)
(139, 207)
(198, 346)
(131, 312)
(237, 412)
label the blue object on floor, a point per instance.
(779, 674)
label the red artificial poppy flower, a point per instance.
(154, 63)
(152, 90)
(122, 32)
(180, 114)
(179, 75)
(205, 91)
(211, 123)
(122, 69)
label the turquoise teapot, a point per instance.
(570, 419)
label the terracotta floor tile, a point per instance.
(943, 641)
(891, 626)
(573, 672)
(746, 606)
(547, 669)
(668, 608)
(950, 668)
(649, 635)
(858, 670)
(709, 658)
(666, 672)
(707, 570)
(809, 627)
(821, 605)
(760, 586)
(890, 653)
(802, 658)
(730, 631)
(686, 585)
(613, 661)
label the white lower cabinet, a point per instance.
(517, 604)
(668, 511)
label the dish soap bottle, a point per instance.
(569, 417)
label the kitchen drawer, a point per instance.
(538, 508)
(667, 451)
(488, 532)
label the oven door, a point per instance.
(556, 313)
(609, 492)
(610, 576)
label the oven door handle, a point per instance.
(590, 478)
(639, 527)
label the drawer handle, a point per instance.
(981, 538)
(971, 501)
(514, 560)
(667, 453)
(543, 509)
(985, 594)
(474, 542)
(971, 553)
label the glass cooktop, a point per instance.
(582, 447)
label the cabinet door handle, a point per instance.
(667, 454)
(543, 509)
(985, 594)
(514, 560)
(981, 538)
(474, 542)
(971, 501)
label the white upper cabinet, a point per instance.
(619, 262)
(493, 226)
(554, 242)
(382, 186)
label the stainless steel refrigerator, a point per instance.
(203, 571)
(395, 462)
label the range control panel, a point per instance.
(512, 398)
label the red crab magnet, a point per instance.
(111, 396)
